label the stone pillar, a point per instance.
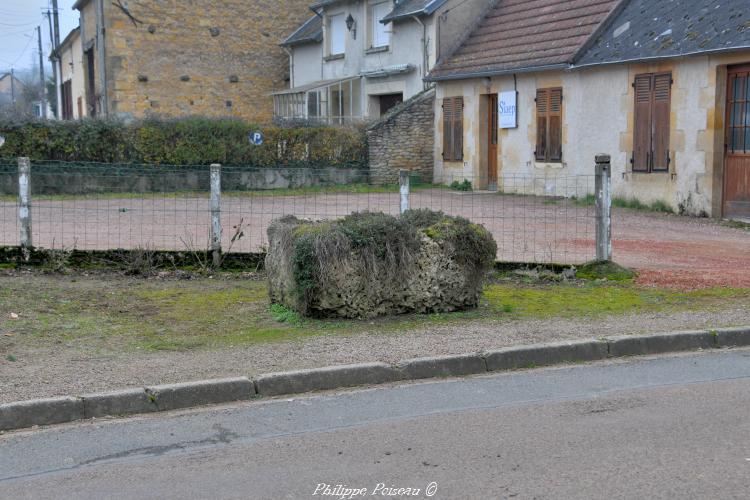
(603, 187)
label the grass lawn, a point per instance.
(109, 312)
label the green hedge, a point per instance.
(190, 141)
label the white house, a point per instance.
(660, 86)
(355, 59)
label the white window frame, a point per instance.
(380, 34)
(336, 45)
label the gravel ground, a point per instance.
(45, 372)
(668, 250)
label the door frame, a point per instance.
(731, 69)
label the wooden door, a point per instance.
(736, 202)
(492, 127)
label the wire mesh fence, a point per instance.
(105, 206)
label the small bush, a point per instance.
(461, 186)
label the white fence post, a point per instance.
(24, 201)
(216, 214)
(403, 181)
(603, 186)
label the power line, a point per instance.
(22, 53)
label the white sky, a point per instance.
(18, 22)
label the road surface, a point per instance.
(642, 428)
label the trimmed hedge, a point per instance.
(189, 141)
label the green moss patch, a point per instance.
(604, 270)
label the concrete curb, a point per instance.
(185, 395)
(24, 414)
(442, 366)
(512, 358)
(319, 379)
(40, 412)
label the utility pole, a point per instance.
(42, 88)
(53, 58)
(13, 86)
(58, 86)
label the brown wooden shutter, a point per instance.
(554, 125)
(662, 84)
(448, 129)
(642, 126)
(458, 129)
(542, 108)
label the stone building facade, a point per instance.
(174, 58)
(404, 140)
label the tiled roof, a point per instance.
(519, 35)
(408, 8)
(645, 29)
(310, 32)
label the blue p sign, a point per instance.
(256, 138)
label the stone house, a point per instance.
(175, 58)
(73, 86)
(538, 88)
(356, 59)
(11, 89)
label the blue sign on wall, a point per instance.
(256, 138)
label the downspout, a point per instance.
(101, 50)
(291, 66)
(425, 62)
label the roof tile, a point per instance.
(525, 34)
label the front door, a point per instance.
(737, 144)
(492, 127)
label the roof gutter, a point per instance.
(480, 74)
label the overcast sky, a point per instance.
(18, 21)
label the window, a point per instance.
(738, 103)
(337, 34)
(313, 104)
(549, 125)
(453, 129)
(380, 35)
(651, 132)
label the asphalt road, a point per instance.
(672, 427)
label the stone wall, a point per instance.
(404, 140)
(73, 180)
(205, 58)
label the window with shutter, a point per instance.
(660, 117)
(458, 129)
(453, 128)
(380, 34)
(549, 125)
(336, 34)
(651, 125)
